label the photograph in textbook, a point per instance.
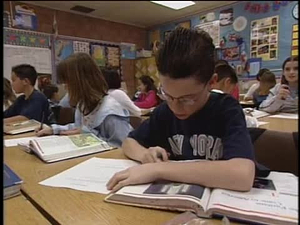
(175, 189)
(264, 184)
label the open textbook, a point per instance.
(55, 148)
(21, 127)
(272, 200)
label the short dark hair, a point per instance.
(225, 71)
(112, 78)
(49, 90)
(221, 62)
(148, 82)
(261, 72)
(187, 53)
(25, 71)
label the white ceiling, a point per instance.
(139, 13)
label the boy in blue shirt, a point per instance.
(33, 104)
(192, 123)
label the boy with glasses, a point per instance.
(193, 123)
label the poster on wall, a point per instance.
(264, 38)
(295, 40)
(213, 29)
(128, 51)
(98, 53)
(81, 46)
(226, 17)
(113, 56)
(231, 54)
(63, 49)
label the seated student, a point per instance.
(267, 81)
(9, 96)
(51, 92)
(226, 80)
(43, 81)
(113, 81)
(33, 104)
(148, 97)
(96, 111)
(249, 95)
(193, 123)
(284, 96)
(235, 92)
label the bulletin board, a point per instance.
(106, 54)
(264, 38)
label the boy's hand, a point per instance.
(283, 92)
(154, 154)
(70, 132)
(43, 132)
(140, 174)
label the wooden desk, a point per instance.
(280, 124)
(18, 210)
(68, 206)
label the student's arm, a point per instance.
(150, 100)
(132, 149)
(249, 94)
(14, 119)
(275, 99)
(13, 109)
(126, 102)
(70, 128)
(234, 174)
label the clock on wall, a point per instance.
(295, 11)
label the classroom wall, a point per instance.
(88, 27)
(286, 22)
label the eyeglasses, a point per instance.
(181, 100)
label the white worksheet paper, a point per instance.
(91, 175)
(15, 142)
(23, 141)
(292, 116)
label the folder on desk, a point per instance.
(12, 183)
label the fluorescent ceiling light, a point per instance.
(175, 4)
